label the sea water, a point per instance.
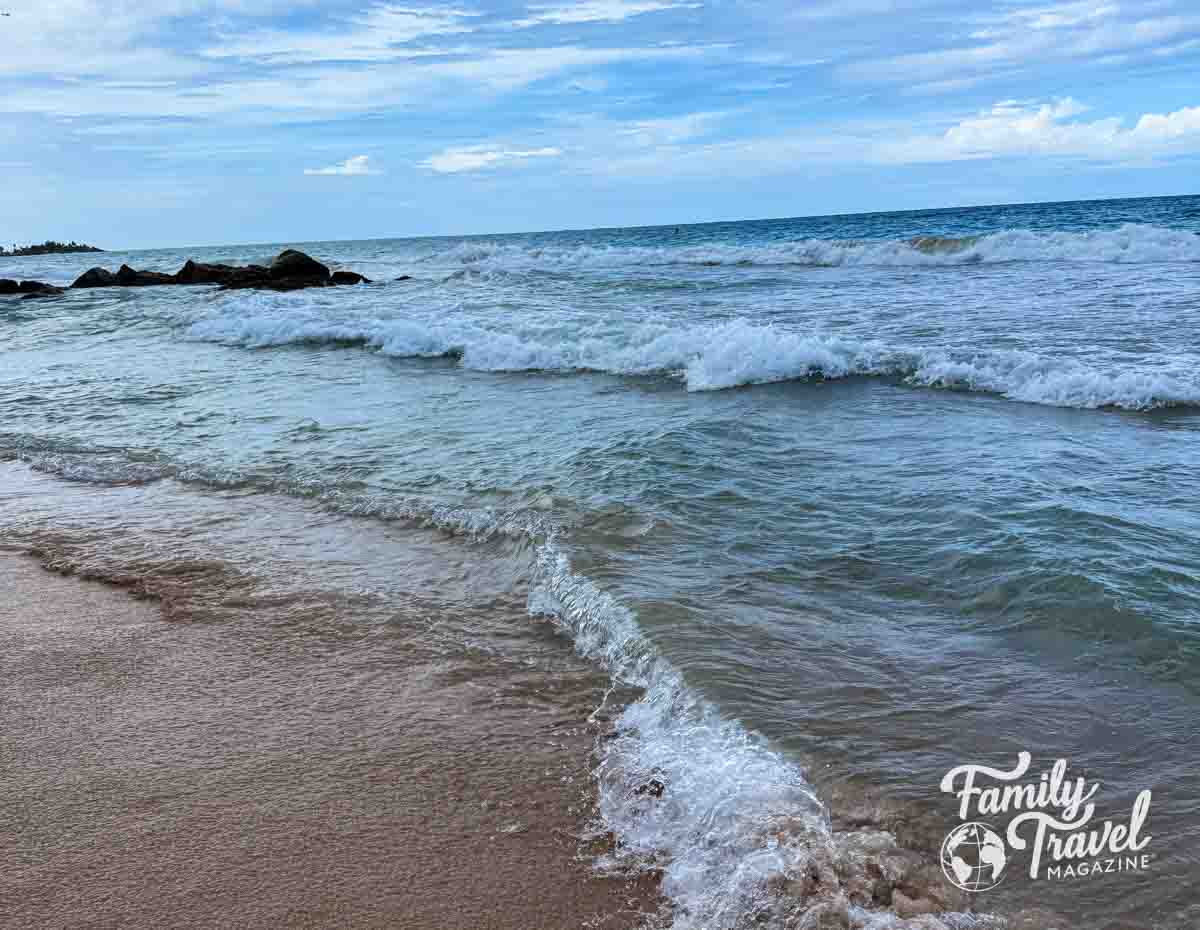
(839, 503)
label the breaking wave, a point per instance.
(728, 355)
(737, 833)
(1129, 243)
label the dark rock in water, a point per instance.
(654, 788)
(193, 272)
(405, 277)
(291, 264)
(46, 290)
(249, 276)
(28, 288)
(128, 277)
(290, 271)
(36, 287)
(96, 277)
(230, 275)
(266, 283)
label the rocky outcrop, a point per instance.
(290, 265)
(290, 271)
(43, 290)
(128, 277)
(28, 288)
(200, 273)
(96, 277)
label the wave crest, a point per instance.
(1130, 243)
(728, 355)
(735, 829)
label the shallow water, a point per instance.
(854, 499)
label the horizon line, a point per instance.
(577, 229)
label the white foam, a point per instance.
(735, 830)
(722, 786)
(740, 353)
(1129, 243)
(727, 355)
(1056, 382)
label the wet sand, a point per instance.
(160, 772)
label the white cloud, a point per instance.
(118, 39)
(1012, 128)
(477, 158)
(587, 85)
(357, 166)
(337, 89)
(510, 68)
(1063, 15)
(376, 34)
(1028, 37)
(596, 11)
(671, 130)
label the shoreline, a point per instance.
(151, 791)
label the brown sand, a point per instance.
(162, 774)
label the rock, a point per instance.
(249, 276)
(96, 277)
(29, 288)
(290, 271)
(272, 284)
(1038, 919)
(654, 788)
(826, 915)
(46, 290)
(198, 273)
(404, 277)
(293, 265)
(128, 277)
(904, 906)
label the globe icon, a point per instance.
(973, 857)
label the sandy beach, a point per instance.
(166, 773)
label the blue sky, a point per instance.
(136, 124)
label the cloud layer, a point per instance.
(1011, 129)
(476, 158)
(594, 105)
(356, 166)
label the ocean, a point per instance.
(802, 513)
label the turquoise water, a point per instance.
(855, 499)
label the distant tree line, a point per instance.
(49, 247)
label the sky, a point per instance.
(143, 123)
